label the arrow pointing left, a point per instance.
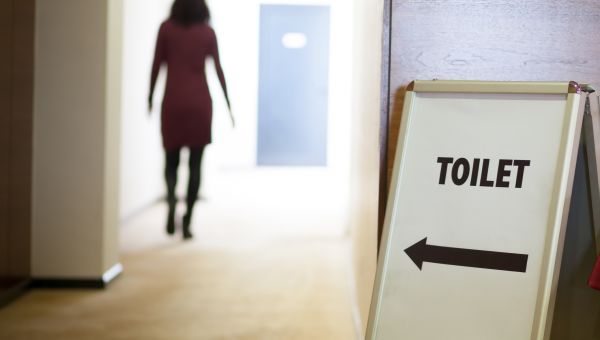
(422, 252)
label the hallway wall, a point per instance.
(365, 145)
(76, 139)
(141, 146)
(16, 111)
(5, 103)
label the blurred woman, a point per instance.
(184, 42)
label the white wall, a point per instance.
(365, 146)
(112, 134)
(75, 139)
(141, 148)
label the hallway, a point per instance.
(270, 260)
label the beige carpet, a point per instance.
(269, 261)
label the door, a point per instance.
(293, 85)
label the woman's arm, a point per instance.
(159, 58)
(215, 55)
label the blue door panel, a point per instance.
(293, 85)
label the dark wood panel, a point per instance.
(21, 139)
(493, 40)
(6, 32)
(17, 18)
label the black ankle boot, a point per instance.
(171, 223)
(171, 217)
(187, 234)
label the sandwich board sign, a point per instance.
(477, 211)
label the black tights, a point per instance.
(172, 163)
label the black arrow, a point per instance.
(422, 252)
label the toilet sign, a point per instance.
(477, 210)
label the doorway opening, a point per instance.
(271, 226)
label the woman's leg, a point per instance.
(171, 164)
(195, 163)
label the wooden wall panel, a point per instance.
(21, 139)
(6, 29)
(17, 20)
(535, 40)
(546, 40)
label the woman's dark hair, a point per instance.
(187, 12)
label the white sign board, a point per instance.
(477, 208)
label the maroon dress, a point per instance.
(187, 106)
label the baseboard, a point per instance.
(14, 292)
(68, 283)
(83, 283)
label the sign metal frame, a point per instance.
(561, 197)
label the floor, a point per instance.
(269, 260)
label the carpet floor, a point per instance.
(269, 260)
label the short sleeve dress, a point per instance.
(186, 115)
